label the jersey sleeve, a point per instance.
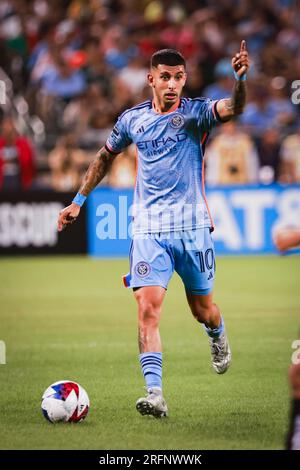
(119, 137)
(207, 114)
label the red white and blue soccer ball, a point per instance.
(65, 401)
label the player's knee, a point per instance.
(149, 313)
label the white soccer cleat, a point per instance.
(220, 353)
(153, 404)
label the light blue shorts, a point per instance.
(154, 257)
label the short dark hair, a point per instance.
(167, 57)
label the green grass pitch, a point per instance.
(70, 318)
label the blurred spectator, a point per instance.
(96, 69)
(63, 82)
(16, 158)
(179, 35)
(194, 85)
(123, 170)
(53, 53)
(278, 60)
(280, 104)
(81, 114)
(59, 85)
(134, 76)
(290, 158)
(268, 151)
(258, 29)
(40, 57)
(223, 86)
(66, 162)
(121, 51)
(258, 114)
(231, 158)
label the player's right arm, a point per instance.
(117, 141)
(95, 173)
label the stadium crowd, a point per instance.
(70, 67)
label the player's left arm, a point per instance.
(229, 107)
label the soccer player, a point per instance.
(171, 221)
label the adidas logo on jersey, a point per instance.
(210, 276)
(140, 130)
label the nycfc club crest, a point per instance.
(142, 269)
(177, 121)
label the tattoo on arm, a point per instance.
(96, 171)
(236, 103)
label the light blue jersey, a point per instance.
(169, 192)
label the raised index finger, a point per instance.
(243, 46)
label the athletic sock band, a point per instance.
(215, 332)
(79, 199)
(151, 363)
(243, 78)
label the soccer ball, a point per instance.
(65, 401)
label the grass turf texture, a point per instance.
(70, 318)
